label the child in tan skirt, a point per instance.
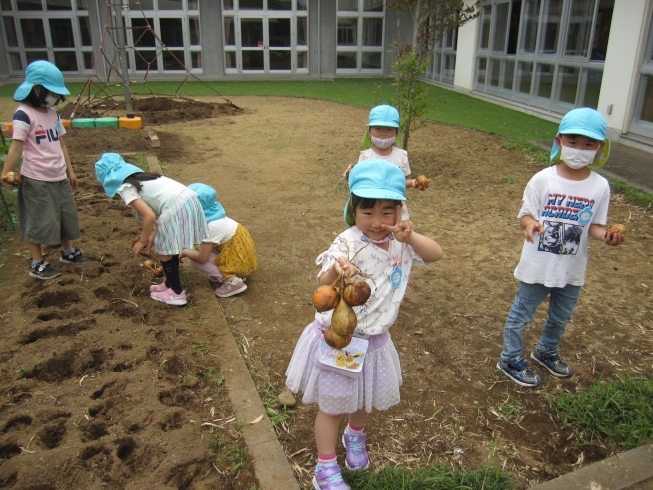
(228, 255)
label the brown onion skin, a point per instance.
(334, 340)
(356, 293)
(325, 298)
(343, 319)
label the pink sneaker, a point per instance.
(232, 286)
(169, 297)
(158, 288)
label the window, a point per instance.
(642, 123)
(359, 36)
(545, 53)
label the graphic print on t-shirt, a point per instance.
(560, 238)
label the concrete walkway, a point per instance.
(632, 470)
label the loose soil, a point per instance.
(104, 388)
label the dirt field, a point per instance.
(104, 388)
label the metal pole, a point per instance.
(122, 56)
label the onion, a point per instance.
(356, 292)
(343, 319)
(12, 178)
(422, 182)
(334, 340)
(325, 298)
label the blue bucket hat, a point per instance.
(584, 122)
(375, 179)
(384, 115)
(207, 195)
(41, 73)
(111, 171)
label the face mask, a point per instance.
(384, 143)
(51, 100)
(575, 158)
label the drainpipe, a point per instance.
(122, 58)
(319, 42)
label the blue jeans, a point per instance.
(562, 303)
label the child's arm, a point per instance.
(530, 225)
(600, 233)
(13, 157)
(425, 247)
(410, 183)
(149, 218)
(69, 167)
(200, 256)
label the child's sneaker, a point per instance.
(43, 271)
(170, 297)
(519, 372)
(158, 288)
(357, 458)
(553, 362)
(329, 477)
(73, 258)
(230, 287)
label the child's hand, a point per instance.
(402, 230)
(343, 265)
(73, 180)
(411, 183)
(613, 239)
(136, 249)
(533, 227)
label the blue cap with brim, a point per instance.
(207, 195)
(584, 122)
(41, 73)
(111, 171)
(384, 115)
(375, 179)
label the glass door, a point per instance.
(265, 44)
(642, 123)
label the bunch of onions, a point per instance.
(341, 299)
(154, 268)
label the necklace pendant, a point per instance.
(395, 277)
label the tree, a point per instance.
(432, 20)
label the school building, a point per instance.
(541, 56)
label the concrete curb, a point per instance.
(269, 459)
(619, 472)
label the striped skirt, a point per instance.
(181, 225)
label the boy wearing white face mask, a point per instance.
(562, 207)
(381, 138)
(46, 206)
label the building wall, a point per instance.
(621, 71)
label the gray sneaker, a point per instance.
(519, 372)
(77, 257)
(43, 271)
(230, 287)
(553, 363)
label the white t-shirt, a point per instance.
(42, 154)
(566, 209)
(398, 157)
(380, 311)
(221, 231)
(158, 193)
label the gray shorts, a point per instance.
(47, 211)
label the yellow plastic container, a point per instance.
(130, 122)
(67, 123)
(7, 128)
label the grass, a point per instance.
(229, 453)
(434, 477)
(620, 412)
(631, 193)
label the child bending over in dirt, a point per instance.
(46, 205)
(564, 205)
(228, 255)
(160, 201)
(382, 249)
(380, 142)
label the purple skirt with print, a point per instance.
(377, 386)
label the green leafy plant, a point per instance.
(620, 412)
(234, 455)
(432, 20)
